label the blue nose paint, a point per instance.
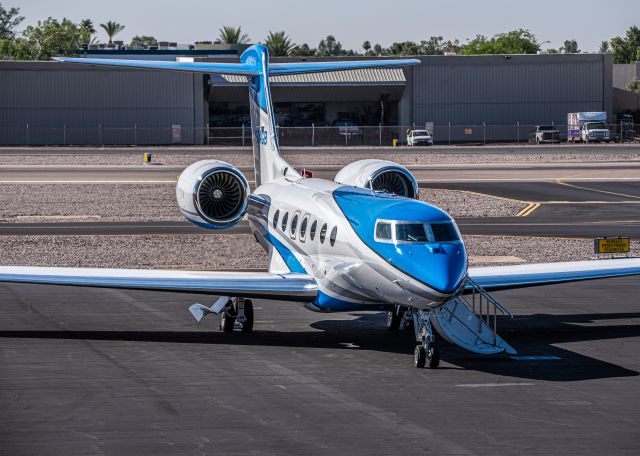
(440, 266)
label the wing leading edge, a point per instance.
(289, 287)
(495, 278)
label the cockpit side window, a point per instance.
(383, 231)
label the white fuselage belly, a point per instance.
(349, 274)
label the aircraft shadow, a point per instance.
(531, 335)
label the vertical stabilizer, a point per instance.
(269, 164)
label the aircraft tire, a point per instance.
(227, 321)
(419, 357)
(433, 356)
(393, 320)
(247, 326)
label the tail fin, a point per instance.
(269, 164)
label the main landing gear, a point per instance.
(238, 313)
(426, 351)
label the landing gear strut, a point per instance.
(238, 313)
(426, 350)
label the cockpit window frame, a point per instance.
(428, 231)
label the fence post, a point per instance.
(484, 133)
(313, 134)
(243, 134)
(346, 136)
(135, 134)
(449, 133)
(28, 141)
(380, 134)
(64, 134)
(518, 132)
(100, 135)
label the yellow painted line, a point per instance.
(560, 181)
(528, 210)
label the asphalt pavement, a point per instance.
(90, 371)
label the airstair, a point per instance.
(471, 321)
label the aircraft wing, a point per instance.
(193, 67)
(290, 287)
(495, 278)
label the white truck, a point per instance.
(587, 127)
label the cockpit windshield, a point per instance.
(395, 232)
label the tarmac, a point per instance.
(121, 372)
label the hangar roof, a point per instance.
(369, 77)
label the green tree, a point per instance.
(634, 86)
(232, 35)
(366, 46)
(47, 39)
(570, 47)
(378, 49)
(404, 48)
(87, 30)
(329, 47)
(604, 48)
(9, 20)
(515, 42)
(112, 28)
(143, 41)
(303, 50)
(278, 44)
(626, 49)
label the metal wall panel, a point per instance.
(504, 90)
(84, 105)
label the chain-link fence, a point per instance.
(311, 136)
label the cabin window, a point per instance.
(275, 218)
(284, 221)
(323, 233)
(303, 228)
(312, 230)
(332, 237)
(294, 226)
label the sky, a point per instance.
(351, 22)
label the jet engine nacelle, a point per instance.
(380, 175)
(212, 194)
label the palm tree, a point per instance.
(112, 28)
(278, 44)
(232, 35)
(86, 30)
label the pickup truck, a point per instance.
(544, 134)
(594, 132)
(418, 137)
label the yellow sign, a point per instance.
(612, 245)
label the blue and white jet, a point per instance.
(360, 242)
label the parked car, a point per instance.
(595, 132)
(544, 134)
(346, 127)
(419, 137)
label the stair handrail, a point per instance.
(477, 288)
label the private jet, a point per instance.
(363, 241)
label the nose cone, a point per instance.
(445, 267)
(441, 267)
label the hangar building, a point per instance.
(466, 98)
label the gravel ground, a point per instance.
(222, 251)
(32, 203)
(465, 204)
(333, 157)
(86, 202)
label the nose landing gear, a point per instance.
(426, 351)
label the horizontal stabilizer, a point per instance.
(322, 67)
(241, 69)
